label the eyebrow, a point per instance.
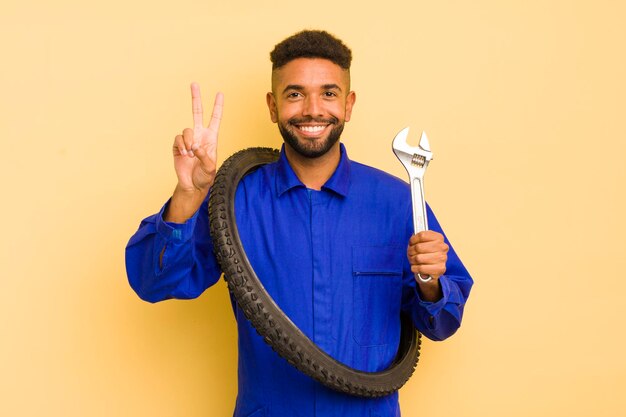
(298, 87)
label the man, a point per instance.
(331, 240)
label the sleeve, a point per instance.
(188, 266)
(441, 319)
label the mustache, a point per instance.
(295, 120)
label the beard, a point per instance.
(310, 148)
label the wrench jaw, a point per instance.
(414, 159)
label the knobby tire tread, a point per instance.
(278, 331)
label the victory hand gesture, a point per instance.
(195, 159)
(195, 151)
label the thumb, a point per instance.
(207, 159)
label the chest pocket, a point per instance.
(377, 294)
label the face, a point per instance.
(310, 101)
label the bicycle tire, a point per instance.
(277, 330)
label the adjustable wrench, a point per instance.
(415, 161)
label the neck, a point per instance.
(314, 172)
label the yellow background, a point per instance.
(524, 105)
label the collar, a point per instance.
(338, 183)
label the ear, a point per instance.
(350, 99)
(271, 105)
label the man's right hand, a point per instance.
(195, 159)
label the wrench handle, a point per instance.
(420, 222)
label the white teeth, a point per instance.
(312, 129)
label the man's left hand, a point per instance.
(428, 253)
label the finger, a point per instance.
(196, 106)
(432, 270)
(427, 248)
(438, 258)
(188, 140)
(426, 236)
(179, 146)
(216, 115)
(207, 160)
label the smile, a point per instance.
(312, 129)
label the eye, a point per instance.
(294, 94)
(330, 94)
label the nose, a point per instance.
(313, 106)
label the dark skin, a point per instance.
(316, 94)
(428, 253)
